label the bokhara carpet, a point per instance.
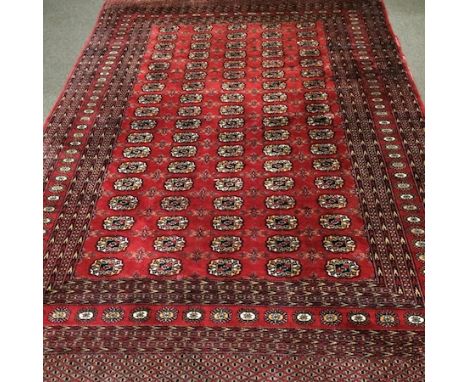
(234, 192)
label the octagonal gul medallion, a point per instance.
(106, 267)
(152, 98)
(228, 203)
(115, 223)
(140, 138)
(342, 244)
(174, 203)
(186, 137)
(277, 165)
(137, 152)
(224, 267)
(143, 124)
(128, 184)
(332, 201)
(172, 223)
(283, 243)
(279, 183)
(123, 202)
(229, 184)
(281, 222)
(169, 243)
(178, 184)
(320, 134)
(132, 167)
(342, 268)
(329, 182)
(227, 223)
(230, 166)
(181, 167)
(277, 150)
(280, 202)
(231, 136)
(323, 149)
(226, 244)
(112, 244)
(165, 266)
(183, 151)
(283, 267)
(275, 135)
(326, 164)
(335, 221)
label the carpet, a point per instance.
(234, 192)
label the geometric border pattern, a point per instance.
(164, 367)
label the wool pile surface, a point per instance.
(234, 192)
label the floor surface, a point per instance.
(67, 24)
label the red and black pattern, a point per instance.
(248, 175)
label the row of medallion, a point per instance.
(227, 267)
(225, 315)
(229, 244)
